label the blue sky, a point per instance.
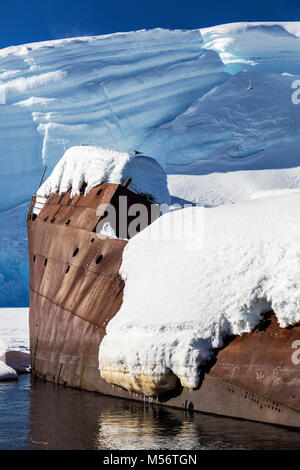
(37, 20)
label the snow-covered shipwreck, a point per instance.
(76, 289)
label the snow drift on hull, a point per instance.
(91, 165)
(196, 288)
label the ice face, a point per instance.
(179, 96)
(108, 90)
(232, 128)
(268, 47)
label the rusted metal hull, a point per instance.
(72, 299)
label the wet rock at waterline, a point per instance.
(17, 360)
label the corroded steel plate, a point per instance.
(75, 290)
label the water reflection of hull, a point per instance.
(62, 418)
(73, 297)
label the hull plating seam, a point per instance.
(72, 313)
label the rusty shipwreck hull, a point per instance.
(75, 290)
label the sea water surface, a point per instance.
(39, 415)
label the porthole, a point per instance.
(34, 258)
(75, 252)
(99, 192)
(45, 262)
(68, 222)
(100, 257)
(68, 269)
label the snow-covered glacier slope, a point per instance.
(179, 96)
(232, 128)
(272, 47)
(167, 93)
(106, 90)
(234, 141)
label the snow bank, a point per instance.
(274, 192)
(95, 165)
(217, 188)
(185, 294)
(7, 373)
(14, 329)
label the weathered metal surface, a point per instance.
(75, 289)
(262, 362)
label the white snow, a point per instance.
(179, 96)
(271, 46)
(107, 230)
(274, 192)
(184, 294)
(38, 205)
(110, 90)
(233, 129)
(14, 336)
(14, 329)
(217, 188)
(95, 165)
(6, 372)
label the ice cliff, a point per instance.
(107, 90)
(179, 96)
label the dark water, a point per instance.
(38, 415)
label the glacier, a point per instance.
(107, 90)
(179, 96)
